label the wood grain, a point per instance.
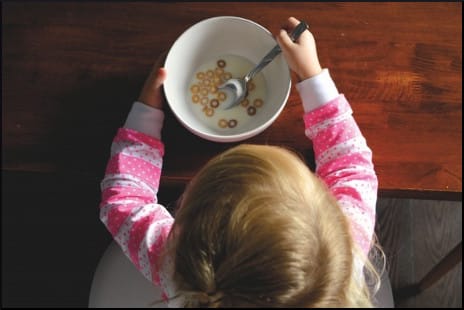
(393, 229)
(416, 235)
(71, 71)
(437, 229)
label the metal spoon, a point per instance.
(239, 86)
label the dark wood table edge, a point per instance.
(178, 184)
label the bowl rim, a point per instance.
(238, 136)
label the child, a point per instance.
(255, 227)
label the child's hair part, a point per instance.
(255, 227)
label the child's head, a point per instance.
(256, 227)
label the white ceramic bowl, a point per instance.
(209, 39)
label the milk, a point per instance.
(206, 109)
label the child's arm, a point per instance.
(129, 207)
(343, 159)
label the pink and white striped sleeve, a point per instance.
(344, 162)
(129, 206)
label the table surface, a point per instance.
(72, 70)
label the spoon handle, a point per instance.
(302, 26)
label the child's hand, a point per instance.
(151, 93)
(301, 55)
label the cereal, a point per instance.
(219, 71)
(195, 89)
(221, 96)
(214, 103)
(210, 74)
(221, 63)
(223, 123)
(226, 76)
(232, 123)
(209, 81)
(204, 90)
(204, 101)
(216, 81)
(251, 86)
(195, 98)
(208, 111)
(258, 103)
(251, 111)
(213, 89)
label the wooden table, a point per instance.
(72, 70)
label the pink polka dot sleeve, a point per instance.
(129, 206)
(344, 162)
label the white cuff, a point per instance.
(145, 119)
(317, 91)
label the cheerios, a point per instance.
(221, 96)
(226, 76)
(258, 103)
(204, 101)
(204, 91)
(214, 103)
(209, 112)
(222, 123)
(245, 102)
(207, 98)
(221, 63)
(251, 111)
(232, 123)
(251, 86)
(213, 89)
(218, 71)
(195, 89)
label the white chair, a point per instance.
(118, 284)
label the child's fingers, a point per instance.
(290, 24)
(151, 93)
(284, 39)
(160, 77)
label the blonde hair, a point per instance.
(255, 227)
